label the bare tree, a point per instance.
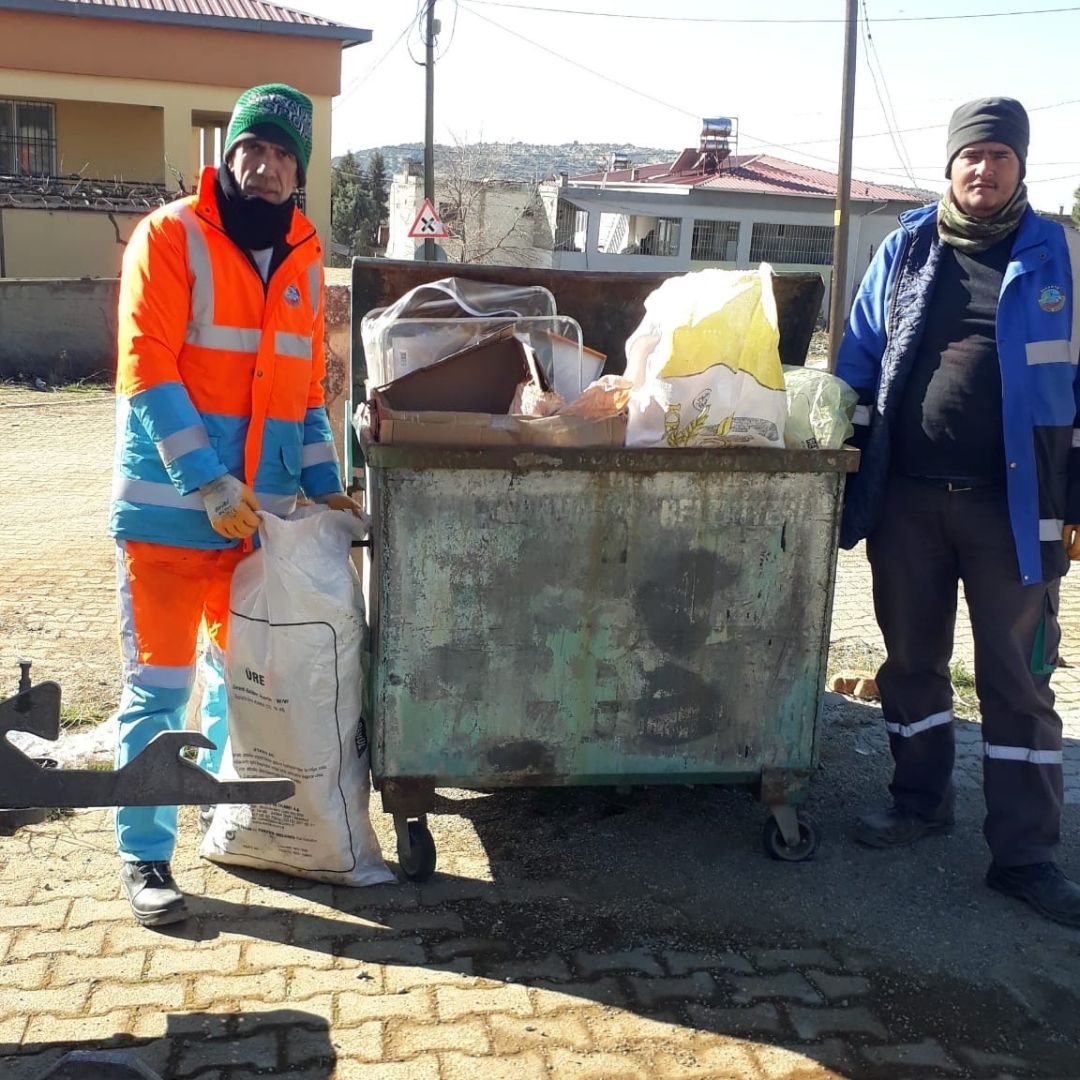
(489, 219)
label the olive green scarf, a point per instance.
(971, 234)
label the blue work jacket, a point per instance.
(1038, 342)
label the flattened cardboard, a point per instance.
(483, 429)
(481, 378)
(464, 400)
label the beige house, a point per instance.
(109, 107)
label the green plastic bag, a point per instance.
(820, 407)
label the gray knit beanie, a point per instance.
(991, 119)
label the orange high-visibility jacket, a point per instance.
(216, 373)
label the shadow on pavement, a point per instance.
(661, 901)
(270, 1043)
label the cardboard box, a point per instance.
(464, 400)
(486, 429)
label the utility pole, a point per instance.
(429, 119)
(838, 291)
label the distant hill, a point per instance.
(524, 161)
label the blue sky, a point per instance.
(509, 72)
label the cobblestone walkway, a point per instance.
(568, 934)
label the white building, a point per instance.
(714, 209)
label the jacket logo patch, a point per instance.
(1052, 298)
(292, 296)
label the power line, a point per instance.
(927, 127)
(770, 22)
(795, 147)
(771, 143)
(467, 4)
(354, 86)
(888, 112)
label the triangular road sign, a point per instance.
(428, 225)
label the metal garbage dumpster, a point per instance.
(610, 616)
(553, 617)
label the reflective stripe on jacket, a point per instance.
(1038, 342)
(216, 373)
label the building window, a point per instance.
(662, 239)
(571, 225)
(715, 241)
(27, 138)
(808, 244)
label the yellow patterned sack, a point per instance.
(705, 362)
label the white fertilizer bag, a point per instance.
(294, 681)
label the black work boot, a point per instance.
(896, 826)
(154, 898)
(1043, 886)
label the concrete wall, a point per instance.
(58, 330)
(63, 243)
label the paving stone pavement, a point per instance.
(593, 936)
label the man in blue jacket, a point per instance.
(963, 345)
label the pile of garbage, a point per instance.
(462, 362)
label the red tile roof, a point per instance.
(251, 15)
(225, 9)
(757, 174)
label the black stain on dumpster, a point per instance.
(460, 670)
(523, 756)
(677, 705)
(676, 604)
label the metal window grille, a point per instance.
(808, 244)
(715, 241)
(27, 138)
(570, 226)
(663, 238)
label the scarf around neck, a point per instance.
(251, 223)
(972, 235)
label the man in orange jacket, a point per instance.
(220, 414)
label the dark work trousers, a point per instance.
(928, 539)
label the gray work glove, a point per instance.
(231, 506)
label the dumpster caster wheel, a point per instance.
(416, 850)
(779, 848)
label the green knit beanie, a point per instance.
(277, 113)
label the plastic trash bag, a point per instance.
(705, 362)
(820, 407)
(294, 681)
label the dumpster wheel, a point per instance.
(415, 848)
(779, 848)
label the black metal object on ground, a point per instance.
(158, 776)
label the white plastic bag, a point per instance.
(820, 407)
(705, 362)
(294, 682)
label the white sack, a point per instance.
(293, 675)
(705, 361)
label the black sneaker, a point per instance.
(154, 898)
(897, 827)
(1043, 886)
